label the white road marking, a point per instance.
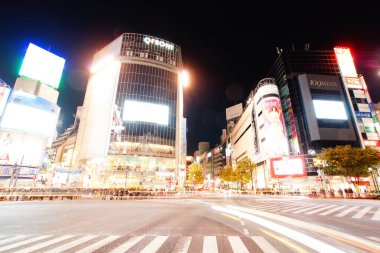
(332, 210)
(99, 244)
(301, 238)
(347, 211)
(72, 244)
(297, 208)
(246, 231)
(321, 209)
(44, 244)
(237, 244)
(361, 213)
(183, 244)
(17, 244)
(264, 245)
(210, 245)
(308, 209)
(15, 238)
(376, 216)
(128, 244)
(154, 245)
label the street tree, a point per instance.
(196, 173)
(244, 171)
(349, 162)
(227, 174)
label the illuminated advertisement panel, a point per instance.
(28, 113)
(289, 166)
(20, 148)
(345, 62)
(327, 109)
(274, 125)
(4, 94)
(42, 65)
(145, 112)
(353, 82)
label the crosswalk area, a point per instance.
(355, 212)
(134, 243)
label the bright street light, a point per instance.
(184, 78)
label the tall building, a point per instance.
(317, 111)
(130, 133)
(29, 120)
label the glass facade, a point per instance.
(131, 127)
(142, 148)
(288, 66)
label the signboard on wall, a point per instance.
(288, 166)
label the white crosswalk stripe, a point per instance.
(99, 244)
(264, 245)
(332, 210)
(183, 244)
(320, 209)
(154, 245)
(297, 208)
(361, 213)
(128, 244)
(44, 244)
(308, 209)
(18, 244)
(210, 245)
(347, 211)
(72, 244)
(11, 239)
(237, 245)
(358, 212)
(376, 216)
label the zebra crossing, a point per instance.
(355, 212)
(134, 243)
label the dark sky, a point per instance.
(227, 47)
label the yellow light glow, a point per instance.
(184, 78)
(101, 63)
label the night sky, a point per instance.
(226, 48)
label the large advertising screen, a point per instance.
(136, 111)
(21, 149)
(328, 109)
(28, 113)
(275, 129)
(42, 65)
(288, 166)
(345, 62)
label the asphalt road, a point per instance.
(207, 223)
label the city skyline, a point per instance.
(226, 50)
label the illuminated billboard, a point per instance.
(4, 94)
(288, 166)
(327, 109)
(145, 112)
(28, 113)
(42, 65)
(20, 148)
(274, 126)
(345, 62)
